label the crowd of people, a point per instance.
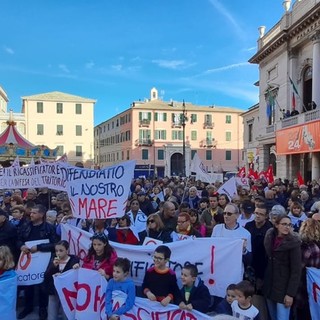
(278, 222)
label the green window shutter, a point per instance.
(156, 116)
(164, 134)
(149, 116)
(140, 116)
(165, 117)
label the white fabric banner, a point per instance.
(229, 188)
(313, 287)
(213, 256)
(243, 182)
(82, 295)
(31, 267)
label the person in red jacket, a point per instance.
(101, 256)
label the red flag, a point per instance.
(262, 175)
(269, 174)
(253, 174)
(242, 172)
(293, 101)
(300, 179)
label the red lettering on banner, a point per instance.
(98, 208)
(23, 265)
(85, 305)
(211, 281)
(97, 299)
(81, 253)
(70, 295)
(139, 313)
(315, 287)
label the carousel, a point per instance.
(13, 145)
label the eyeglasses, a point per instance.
(150, 221)
(229, 214)
(287, 225)
(157, 258)
(180, 222)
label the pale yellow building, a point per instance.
(57, 119)
(151, 132)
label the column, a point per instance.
(315, 166)
(316, 68)
(292, 71)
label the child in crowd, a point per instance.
(194, 293)
(120, 285)
(224, 307)
(160, 282)
(62, 262)
(242, 307)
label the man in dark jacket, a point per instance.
(36, 229)
(8, 233)
(145, 204)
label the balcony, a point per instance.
(176, 124)
(208, 143)
(301, 118)
(208, 125)
(143, 142)
(144, 123)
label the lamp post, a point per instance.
(183, 123)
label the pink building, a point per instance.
(155, 133)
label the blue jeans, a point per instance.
(278, 311)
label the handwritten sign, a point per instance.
(313, 287)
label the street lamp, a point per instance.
(183, 123)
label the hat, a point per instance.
(3, 213)
(248, 207)
(261, 198)
(277, 210)
(141, 193)
(8, 194)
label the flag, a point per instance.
(229, 188)
(269, 174)
(293, 87)
(252, 174)
(293, 101)
(300, 178)
(270, 103)
(198, 167)
(242, 172)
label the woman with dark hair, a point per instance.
(137, 217)
(283, 271)
(155, 230)
(223, 200)
(195, 222)
(101, 256)
(121, 232)
(310, 253)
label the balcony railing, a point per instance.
(144, 123)
(208, 125)
(176, 124)
(301, 118)
(143, 142)
(208, 143)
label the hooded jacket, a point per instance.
(282, 276)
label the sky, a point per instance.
(115, 51)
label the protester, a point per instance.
(120, 284)
(246, 212)
(192, 199)
(296, 215)
(284, 267)
(195, 222)
(160, 282)
(195, 294)
(184, 227)
(51, 217)
(223, 200)
(145, 204)
(101, 256)
(168, 216)
(224, 306)
(62, 262)
(8, 233)
(137, 217)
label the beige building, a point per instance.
(61, 120)
(156, 133)
(288, 56)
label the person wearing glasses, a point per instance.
(155, 230)
(184, 227)
(160, 282)
(282, 277)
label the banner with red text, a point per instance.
(313, 287)
(82, 295)
(212, 256)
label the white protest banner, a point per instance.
(8, 296)
(147, 241)
(178, 236)
(212, 256)
(82, 295)
(313, 288)
(243, 182)
(100, 194)
(31, 266)
(198, 167)
(229, 188)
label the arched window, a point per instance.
(307, 89)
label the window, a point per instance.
(208, 154)
(59, 130)
(250, 130)
(39, 107)
(177, 135)
(209, 135)
(228, 118)
(208, 118)
(145, 154)
(144, 116)
(78, 130)
(228, 136)
(193, 152)
(78, 151)
(160, 154)
(144, 134)
(78, 108)
(193, 118)
(160, 116)
(128, 154)
(160, 134)
(228, 155)
(59, 107)
(40, 129)
(60, 150)
(193, 135)
(176, 118)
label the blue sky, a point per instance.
(115, 51)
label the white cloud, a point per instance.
(170, 64)
(249, 49)
(117, 67)
(63, 68)
(8, 50)
(89, 65)
(228, 67)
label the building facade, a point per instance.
(156, 134)
(61, 120)
(288, 56)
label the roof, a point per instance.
(11, 135)
(57, 96)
